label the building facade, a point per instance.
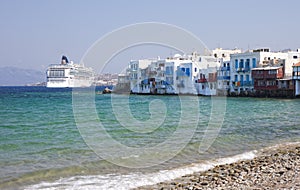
(296, 78)
(266, 78)
(241, 65)
(179, 74)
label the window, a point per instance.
(241, 65)
(261, 83)
(242, 78)
(247, 64)
(295, 57)
(169, 70)
(253, 62)
(169, 80)
(272, 72)
(57, 73)
(247, 78)
(236, 64)
(271, 83)
(195, 69)
(187, 71)
(235, 78)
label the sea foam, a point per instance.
(133, 180)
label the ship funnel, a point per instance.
(64, 60)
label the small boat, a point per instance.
(106, 91)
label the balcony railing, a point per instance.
(242, 83)
(243, 69)
(225, 68)
(223, 77)
(247, 83)
(246, 69)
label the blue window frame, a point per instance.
(236, 63)
(253, 62)
(247, 78)
(241, 63)
(242, 80)
(247, 64)
(187, 71)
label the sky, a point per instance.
(35, 33)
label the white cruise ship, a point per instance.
(69, 75)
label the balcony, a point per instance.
(246, 69)
(202, 80)
(296, 77)
(239, 69)
(223, 77)
(247, 83)
(225, 68)
(242, 83)
(242, 69)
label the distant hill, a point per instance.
(13, 76)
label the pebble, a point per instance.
(273, 169)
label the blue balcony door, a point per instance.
(254, 63)
(242, 80)
(247, 64)
(241, 63)
(247, 78)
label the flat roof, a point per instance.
(266, 68)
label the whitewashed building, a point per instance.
(179, 74)
(242, 63)
(224, 54)
(206, 80)
(135, 74)
(293, 57)
(223, 73)
(296, 78)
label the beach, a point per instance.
(273, 168)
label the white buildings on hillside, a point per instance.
(241, 65)
(180, 74)
(222, 72)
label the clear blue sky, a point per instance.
(35, 33)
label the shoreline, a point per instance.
(275, 167)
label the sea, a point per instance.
(83, 139)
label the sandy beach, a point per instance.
(273, 168)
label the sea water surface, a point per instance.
(42, 148)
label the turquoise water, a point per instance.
(41, 142)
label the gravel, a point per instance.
(273, 168)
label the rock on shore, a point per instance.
(274, 168)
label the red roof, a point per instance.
(296, 65)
